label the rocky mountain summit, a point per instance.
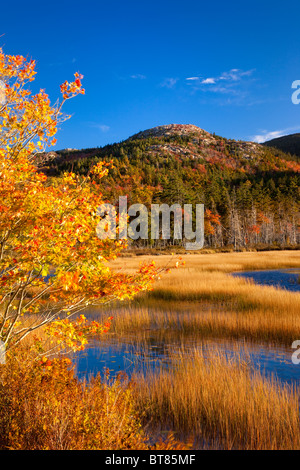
(182, 142)
(172, 129)
(190, 141)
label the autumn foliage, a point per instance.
(43, 406)
(51, 261)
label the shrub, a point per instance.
(44, 406)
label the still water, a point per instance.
(130, 356)
(153, 350)
(283, 278)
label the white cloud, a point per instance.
(234, 85)
(193, 78)
(208, 81)
(169, 82)
(60, 64)
(235, 74)
(228, 80)
(101, 127)
(269, 135)
(138, 76)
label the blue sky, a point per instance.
(226, 67)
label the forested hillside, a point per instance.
(288, 144)
(250, 192)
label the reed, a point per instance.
(204, 298)
(192, 285)
(207, 277)
(200, 321)
(221, 402)
(222, 262)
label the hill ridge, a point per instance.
(250, 191)
(170, 129)
(183, 141)
(287, 143)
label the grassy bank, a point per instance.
(205, 299)
(223, 262)
(222, 403)
(203, 321)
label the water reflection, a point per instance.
(153, 351)
(282, 278)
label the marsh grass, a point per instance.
(205, 298)
(275, 316)
(258, 325)
(211, 397)
(190, 285)
(222, 262)
(221, 401)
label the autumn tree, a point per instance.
(52, 264)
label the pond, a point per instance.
(154, 352)
(153, 349)
(283, 278)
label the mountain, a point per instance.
(288, 144)
(182, 141)
(251, 192)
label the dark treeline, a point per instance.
(289, 144)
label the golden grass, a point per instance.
(188, 284)
(257, 325)
(206, 277)
(223, 262)
(221, 402)
(204, 298)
